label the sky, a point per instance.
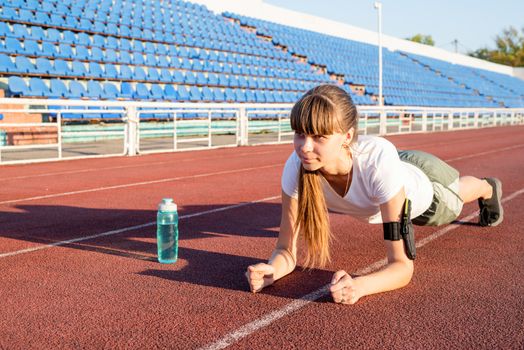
(475, 24)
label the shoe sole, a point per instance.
(498, 189)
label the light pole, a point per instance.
(378, 6)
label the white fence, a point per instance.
(83, 129)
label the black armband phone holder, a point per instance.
(394, 231)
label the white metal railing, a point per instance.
(197, 124)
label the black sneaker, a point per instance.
(491, 212)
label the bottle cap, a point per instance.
(167, 205)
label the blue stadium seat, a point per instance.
(124, 44)
(25, 15)
(151, 60)
(138, 58)
(186, 64)
(178, 77)
(95, 70)
(110, 56)
(78, 69)
(9, 13)
(53, 35)
(4, 30)
(125, 57)
(175, 62)
(112, 43)
(57, 20)
(190, 78)
(126, 90)
(58, 88)
(71, 22)
(38, 88)
(170, 93)
(149, 47)
(165, 75)
(13, 45)
(61, 67)
(37, 33)
(162, 61)
(152, 74)
(183, 93)
(157, 93)
(161, 49)
(24, 65)
(218, 95)
(82, 53)
(49, 49)
(240, 95)
(65, 51)
(17, 86)
(207, 94)
(110, 71)
(229, 95)
(96, 54)
(68, 37)
(141, 92)
(201, 79)
(20, 31)
(94, 90)
(6, 64)
(110, 91)
(99, 41)
(138, 46)
(139, 73)
(76, 90)
(43, 66)
(125, 72)
(250, 95)
(212, 79)
(83, 39)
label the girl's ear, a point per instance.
(349, 135)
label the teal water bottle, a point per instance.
(167, 231)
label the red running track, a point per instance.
(78, 268)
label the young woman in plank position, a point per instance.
(365, 177)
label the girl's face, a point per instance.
(324, 152)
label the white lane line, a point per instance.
(250, 328)
(80, 171)
(131, 228)
(484, 153)
(143, 183)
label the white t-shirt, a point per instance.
(378, 175)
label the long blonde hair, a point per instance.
(323, 110)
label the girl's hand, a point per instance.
(259, 276)
(343, 288)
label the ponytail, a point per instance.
(313, 219)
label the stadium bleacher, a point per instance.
(181, 51)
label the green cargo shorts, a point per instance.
(446, 205)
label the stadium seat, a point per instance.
(190, 78)
(37, 33)
(141, 92)
(49, 49)
(58, 88)
(61, 67)
(38, 88)
(24, 65)
(170, 93)
(68, 37)
(76, 90)
(4, 30)
(82, 53)
(95, 70)
(125, 72)
(78, 69)
(43, 66)
(93, 90)
(139, 74)
(138, 59)
(183, 93)
(152, 74)
(13, 45)
(17, 86)
(110, 71)
(218, 95)
(162, 61)
(165, 75)
(65, 51)
(126, 90)
(6, 64)
(156, 92)
(150, 60)
(207, 94)
(96, 54)
(110, 91)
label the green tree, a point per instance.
(509, 48)
(422, 39)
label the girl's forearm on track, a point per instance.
(394, 276)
